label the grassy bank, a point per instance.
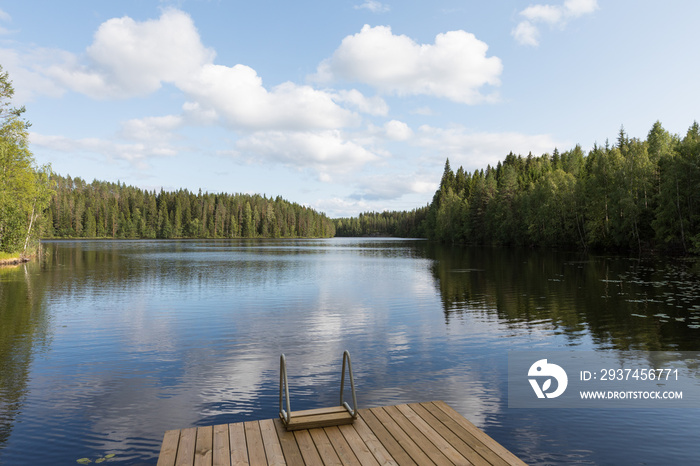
(8, 258)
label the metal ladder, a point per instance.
(321, 417)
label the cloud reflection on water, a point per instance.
(141, 337)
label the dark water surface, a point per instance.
(104, 345)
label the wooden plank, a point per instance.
(203, 453)
(324, 447)
(496, 447)
(221, 448)
(168, 450)
(290, 449)
(317, 411)
(273, 450)
(420, 440)
(391, 444)
(324, 417)
(358, 446)
(341, 446)
(371, 441)
(239, 449)
(307, 448)
(477, 445)
(433, 435)
(185, 452)
(254, 442)
(459, 444)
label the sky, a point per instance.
(346, 106)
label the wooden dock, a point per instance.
(420, 434)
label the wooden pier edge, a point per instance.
(417, 433)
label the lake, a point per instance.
(105, 345)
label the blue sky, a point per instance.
(345, 106)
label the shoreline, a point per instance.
(15, 260)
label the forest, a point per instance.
(636, 195)
(114, 210)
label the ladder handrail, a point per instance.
(285, 415)
(353, 410)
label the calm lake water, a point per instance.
(104, 345)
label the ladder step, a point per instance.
(321, 417)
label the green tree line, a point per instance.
(79, 209)
(396, 223)
(638, 194)
(635, 195)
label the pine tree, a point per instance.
(248, 226)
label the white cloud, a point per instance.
(577, 8)
(4, 16)
(135, 153)
(397, 130)
(375, 137)
(328, 152)
(151, 128)
(476, 150)
(338, 207)
(454, 67)
(238, 95)
(373, 6)
(546, 13)
(372, 105)
(128, 58)
(27, 77)
(526, 33)
(195, 113)
(394, 186)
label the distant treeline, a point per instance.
(400, 224)
(634, 195)
(114, 210)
